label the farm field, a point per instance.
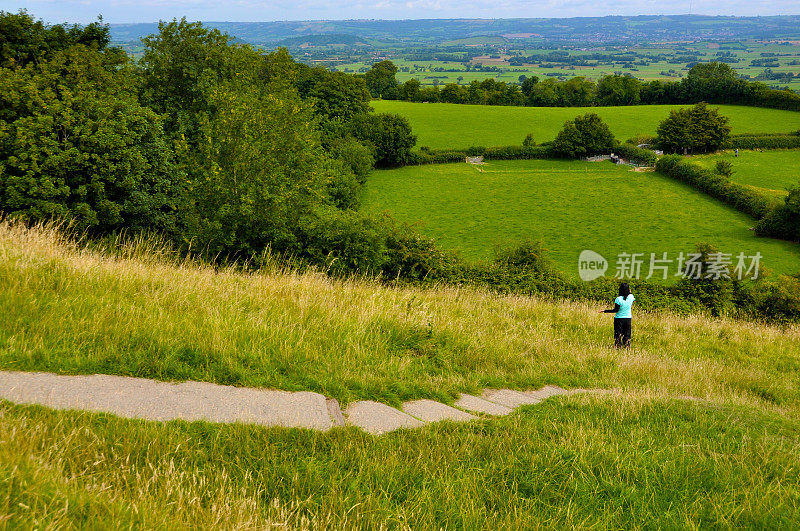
(447, 125)
(633, 457)
(569, 205)
(771, 170)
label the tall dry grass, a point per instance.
(136, 308)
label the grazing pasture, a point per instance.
(773, 170)
(448, 125)
(569, 205)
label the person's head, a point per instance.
(624, 290)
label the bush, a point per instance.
(343, 242)
(412, 257)
(780, 300)
(740, 197)
(638, 155)
(784, 221)
(724, 168)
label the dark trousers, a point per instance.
(622, 332)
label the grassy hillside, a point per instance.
(446, 125)
(571, 206)
(636, 457)
(773, 170)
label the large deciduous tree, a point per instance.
(584, 136)
(381, 80)
(696, 129)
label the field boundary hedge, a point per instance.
(738, 196)
(444, 156)
(763, 141)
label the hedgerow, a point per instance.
(720, 187)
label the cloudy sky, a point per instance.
(117, 11)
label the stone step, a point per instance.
(163, 401)
(479, 405)
(377, 418)
(510, 398)
(432, 411)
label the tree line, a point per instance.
(714, 82)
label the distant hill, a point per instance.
(436, 31)
(319, 40)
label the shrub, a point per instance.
(638, 155)
(780, 300)
(724, 168)
(412, 257)
(343, 241)
(784, 221)
(529, 142)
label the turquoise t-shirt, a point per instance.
(624, 306)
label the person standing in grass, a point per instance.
(622, 316)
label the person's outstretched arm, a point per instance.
(615, 310)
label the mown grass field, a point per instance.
(447, 125)
(570, 206)
(637, 457)
(772, 170)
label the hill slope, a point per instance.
(728, 457)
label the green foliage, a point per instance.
(584, 136)
(381, 81)
(764, 141)
(740, 197)
(525, 257)
(618, 90)
(343, 241)
(413, 257)
(356, 156)
(76, 144)
(705, 284)
(694, 129)
(336, 95)
(528, 141)
(262, 168)
(24, 40)
(389, 136)
(784, 221)
(641, 156)
(724, 168)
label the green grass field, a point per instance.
(571, 206)
(446, 125)
(637, 457)
(772, 170)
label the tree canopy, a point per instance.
(584, 136)
(697, 129)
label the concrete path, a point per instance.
(161, 401)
